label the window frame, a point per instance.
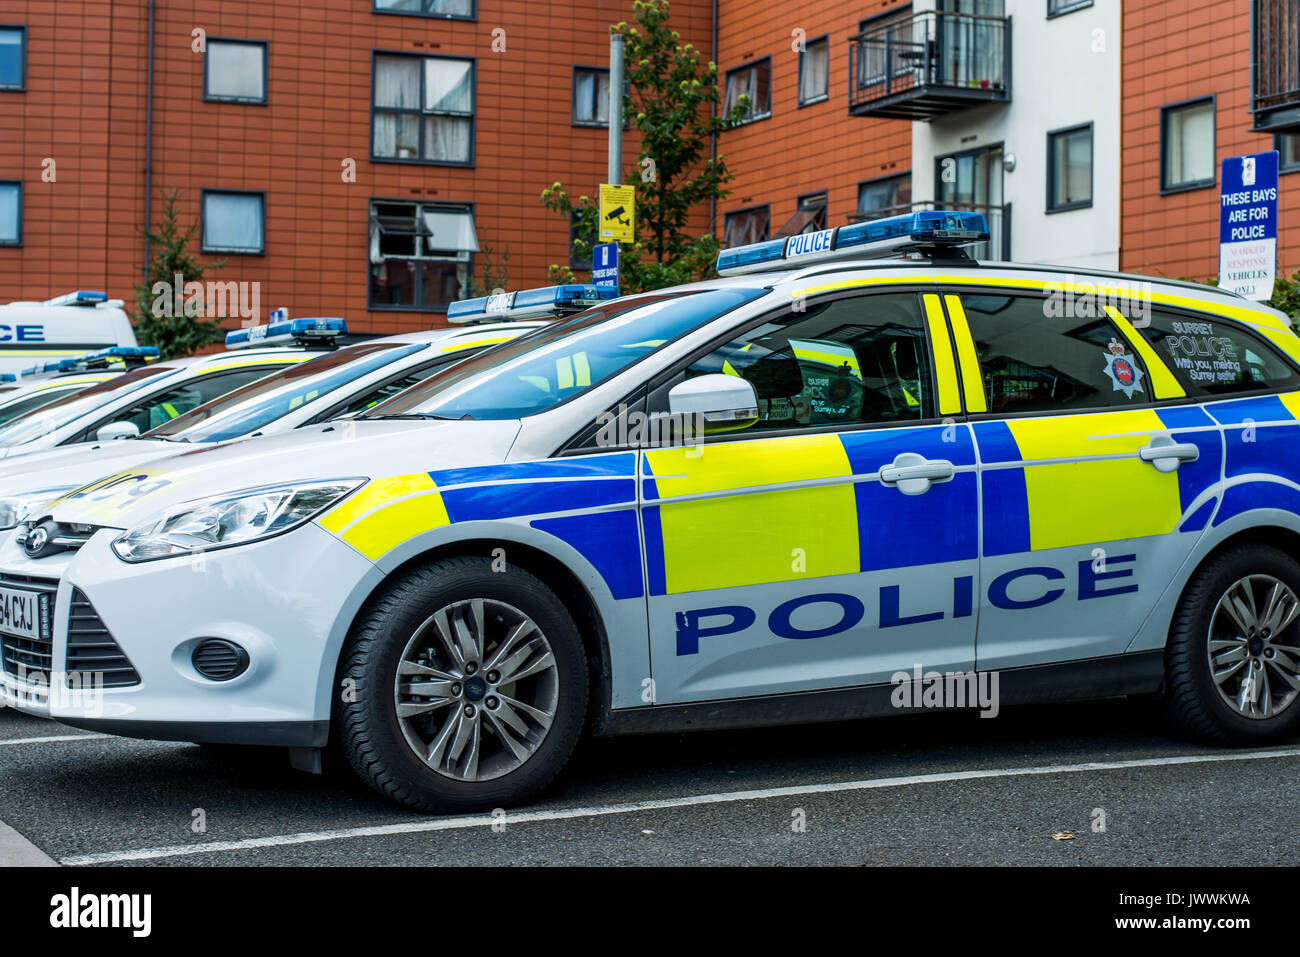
(678, 368)
(573, 97)
(473, 15)
(857, 205)
(18, 241)
(21, 85)
(803, 56)
(750, 65)
(1059, 8)
(204, 247)
(1052, 136)
(747, 209)
(412, 201)
(472, 115)
(1282, 167)
(1166, 111)
(266, 72)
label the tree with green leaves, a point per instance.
(164, 316)
(672, 101)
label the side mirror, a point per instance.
(718, 402)
(117, 430)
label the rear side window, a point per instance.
(1210, 357)
(1032, 362)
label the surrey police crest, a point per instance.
(1123, 371)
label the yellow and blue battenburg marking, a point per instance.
(1261, 435)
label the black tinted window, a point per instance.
(1216, 358)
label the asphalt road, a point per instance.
(937, 789)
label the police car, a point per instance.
(336, 384)
(42, 383)
(149, 395)
(60, 328)
(753, 500)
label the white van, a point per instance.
(62, 327)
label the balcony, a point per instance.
(929, 64)
(998, 246)
(1275, 66)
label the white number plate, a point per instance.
(20, 613)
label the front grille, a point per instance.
(30, 660)
(92, 652)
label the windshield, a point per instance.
(54, 415)
(562, 360)
(250, 408)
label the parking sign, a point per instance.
(1248, 225)
(604, 265)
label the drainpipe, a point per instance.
(713, 137)
(148, 145)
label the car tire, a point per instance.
(1207, 662)
(410, 684)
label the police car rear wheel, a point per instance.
(470, 687)
(1233, 659)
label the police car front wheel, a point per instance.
(1233, 659)
(465, 687)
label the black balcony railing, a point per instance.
(998, 246)
(1275, 65)
(929, 64)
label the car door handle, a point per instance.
(913, 474)
(1166, 454)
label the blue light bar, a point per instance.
(317, 331)
(926, 230)
(544, 303)
(8, 377)
(82, 297)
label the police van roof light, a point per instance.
(82, 297)
(548, 302)
(132, 357)
(934, 232)
(319, 332)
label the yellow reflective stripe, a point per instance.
(472, 343)
(1069, 502)
(1216, 308)
(944, 366)
(826, 354)
(1164, 385)
(248, 363)
(1286, 341)
(910, 399)
(854, 283)
(64, 383)
(972, 379)
(169, 409)
(582, 371)
(563, 373)
(373, 496)
(381, 532)
(770, 536)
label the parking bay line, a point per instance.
(725, 797)
(51, 738)
(17, 851)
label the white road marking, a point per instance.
(17, 851)
(50, 738)
(725, 797)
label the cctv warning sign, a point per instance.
(617, 213)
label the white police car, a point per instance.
(335, 384)
(1087, 483)
(42, 383)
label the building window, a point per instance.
(887, 196)
(234, 71)
(814, 71)
(746, 226)
(809, 216)
(754, 80)
(576, 261)
(11, 212)
(1288, 151)
(445, 9)
(233, 222)
(422, 109)
(1187, 145)
(1069, 169)
(13, 57)
(590, 96)
(421, 254)
(1057, 7)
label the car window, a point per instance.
(1210, 357)
(386, 391)
(158, 408)
(20, 407)
(68, 408)
(846, 362)
(1033, 362)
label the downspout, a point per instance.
(148, 146)
(713, 137)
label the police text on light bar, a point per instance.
(919, 231)
(321, 331)
(544, 303)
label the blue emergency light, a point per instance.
(130, 356)
(548, 302)
(8, 377)
(82, 297)
(319, 332)
(928, 231)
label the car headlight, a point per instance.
(232, 519)
(14, 509)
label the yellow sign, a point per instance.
(617, 213)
